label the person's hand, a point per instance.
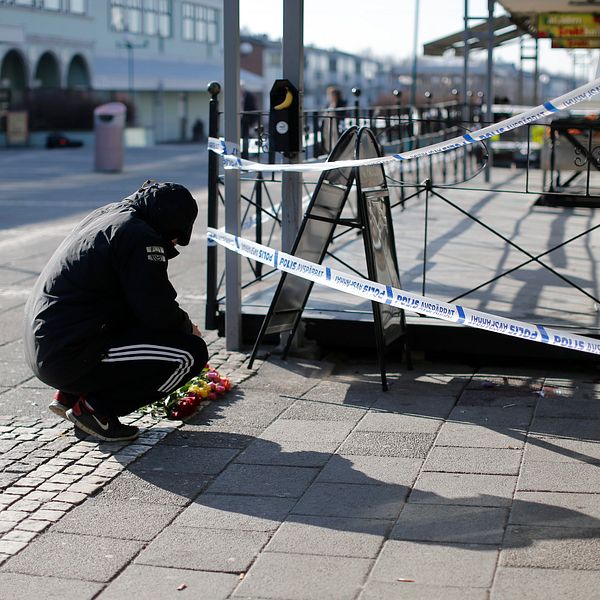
(195, 330)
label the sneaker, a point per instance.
(62, 402)
(108, 429)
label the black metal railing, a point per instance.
(400, 128)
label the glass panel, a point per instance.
(77, 6)
(117, 18)
(150, 23)
(164, 25)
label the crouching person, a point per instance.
(102, 324)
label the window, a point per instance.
(150, 17)
(200, 23)
(77, 6)
(72, 6)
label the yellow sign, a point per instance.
(569, 25)
(17, 130)
(576, 43)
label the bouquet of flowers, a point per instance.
(184, 402)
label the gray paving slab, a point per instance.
(492, 461)
(511, 415)
(370, 469)
(549, 584)
(352, 500)
(294, 430)
(447, 523)
(313, 410)
(552, 509)
(409, 590)
(292, 454)
(303, 577)
(448, 565)
(145, 582)
(552, 449)
(126, 520)
(264, 480)
(578, 429)
(551, 548)
(13, 373)
(13, 351)
(25, 402)
(293, 378)
(81, 557)
(347, 393)
(495, 398)
(185, 459)
(463, 489)
(432, 406)
(204, 549)
(250, 408)
(375, 443)
(330, 536)
(479, 436)
(241, 513)
(212, 439)
(19, 585)
(568, 408)
(559, 477)
(155, 487)
(12, 329)
(381, 421)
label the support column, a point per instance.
(293, 69)
(233, 300)
(465, 87)
(489, 91)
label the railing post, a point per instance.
(210, 321)
(356, 93)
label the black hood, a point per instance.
(168, 208)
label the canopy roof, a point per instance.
(505, 29)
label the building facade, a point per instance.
(157, 54)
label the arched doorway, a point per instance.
(47, 72)
(78, 74)
(13, 76)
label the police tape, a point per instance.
(385, 294)
(232, 160)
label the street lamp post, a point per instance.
(130, 46)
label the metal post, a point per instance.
(489, 92)
(293, 69)
(413, 83)
(356, 93)
(536, 74)
(210, 321)
(465, 78)
(233, 300)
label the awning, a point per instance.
(505, 29)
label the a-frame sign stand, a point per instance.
(373, 221)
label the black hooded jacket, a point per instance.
(109, 273)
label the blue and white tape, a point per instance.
(384, 294)
(232, 160)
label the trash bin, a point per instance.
(109, 125)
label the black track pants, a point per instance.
(139, 367)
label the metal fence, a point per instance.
(397, 129)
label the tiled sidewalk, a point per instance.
(47, 467)
(310, 483)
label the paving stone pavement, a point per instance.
(307, 482)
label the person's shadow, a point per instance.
(241, 481)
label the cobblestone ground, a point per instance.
(47, 467)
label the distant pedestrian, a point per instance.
(335, 114)
(102, 324)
